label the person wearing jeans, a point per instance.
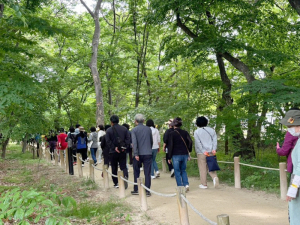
(155, 148)
(179, 150)
(93, 138)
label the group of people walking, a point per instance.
(121, 147)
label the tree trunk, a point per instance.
(1, 10)
(93, 64)
(296, 5)
(4, 145)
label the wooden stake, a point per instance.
(142, 194)
(121, 184)
(223, 219)
(182, 206)
(283, 180)
(237, 173)
(79, 164)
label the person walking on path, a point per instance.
(81, 144)
(155, 148)
(179, 150)
(205, 145)
(104, 147)
(292, 121)
(101, 133)
(287, 147)
(118, 139)
(129, 148)
(142, 150)
(93, 139)
(70, 140)
(165, 147)
(52, 140)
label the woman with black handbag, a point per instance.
(205, 147)
(180, 146)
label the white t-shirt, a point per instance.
(156, 138)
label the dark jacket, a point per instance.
(166, 136)
(176, 144)
(111, 137)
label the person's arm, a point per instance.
(198, 144)
(134, 143)
(215, 143)
(170, 146)
(158, 139)
(288, 145)
(190, 142)
(127, 139)
(90, 138)
(151, 138)
(293, 189)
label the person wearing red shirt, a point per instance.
(61, 140)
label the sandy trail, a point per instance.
(244, 207)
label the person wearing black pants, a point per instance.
(117, 139)
(142, 142)
(166, 140)
(81, 144)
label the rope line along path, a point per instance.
(160, 194)
(128, 181)
(196, 211)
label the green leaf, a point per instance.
(51, 221)
(19, 214)
(47, 202)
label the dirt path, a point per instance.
(244, 207)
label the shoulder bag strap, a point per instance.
(183, 141)
(212, 141)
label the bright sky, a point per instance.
(80, 8)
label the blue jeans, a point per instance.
(179, 163)
(154, 164)
(93, 153)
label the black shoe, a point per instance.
(116, 186)
(134, 192)
(125, 183)
(148, 194)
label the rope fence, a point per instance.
(182, 200)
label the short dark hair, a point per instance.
(106, 127)
(201, 121)
(101, 127)
(126, 125)
(114, 119)
(150, 123)
(77, 125)
(93, 129)
(62, 130)
(71, 129)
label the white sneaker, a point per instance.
(153, 177)
(202, 186)
(172, 173)
(157, 174)
(216, 182)
(187, 188)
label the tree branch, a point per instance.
(87, 8)
(184, 27)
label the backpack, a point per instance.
(71, 138)
(81, 142)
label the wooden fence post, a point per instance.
(283, 180)
(48, 155)
(105, 177)
(182, 206)
(223, 219)
(79, 164)
(163, 164)
(67, 160)
(142, 194)
(62, 159)
(55, 155)
(121, 184)
(92, 171)
(237, 173)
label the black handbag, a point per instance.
(212, 163)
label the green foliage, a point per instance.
(26, 207)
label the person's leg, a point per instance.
(176, 164)
(136, 169)
(201, 159)
(130, 157)
(147, 161)
(114, 167)
(184, 176)
(154, 153)
(99, 154)
(122, 162)
(93, 153)
(170, 165)
(152, 164)
(74, 152)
